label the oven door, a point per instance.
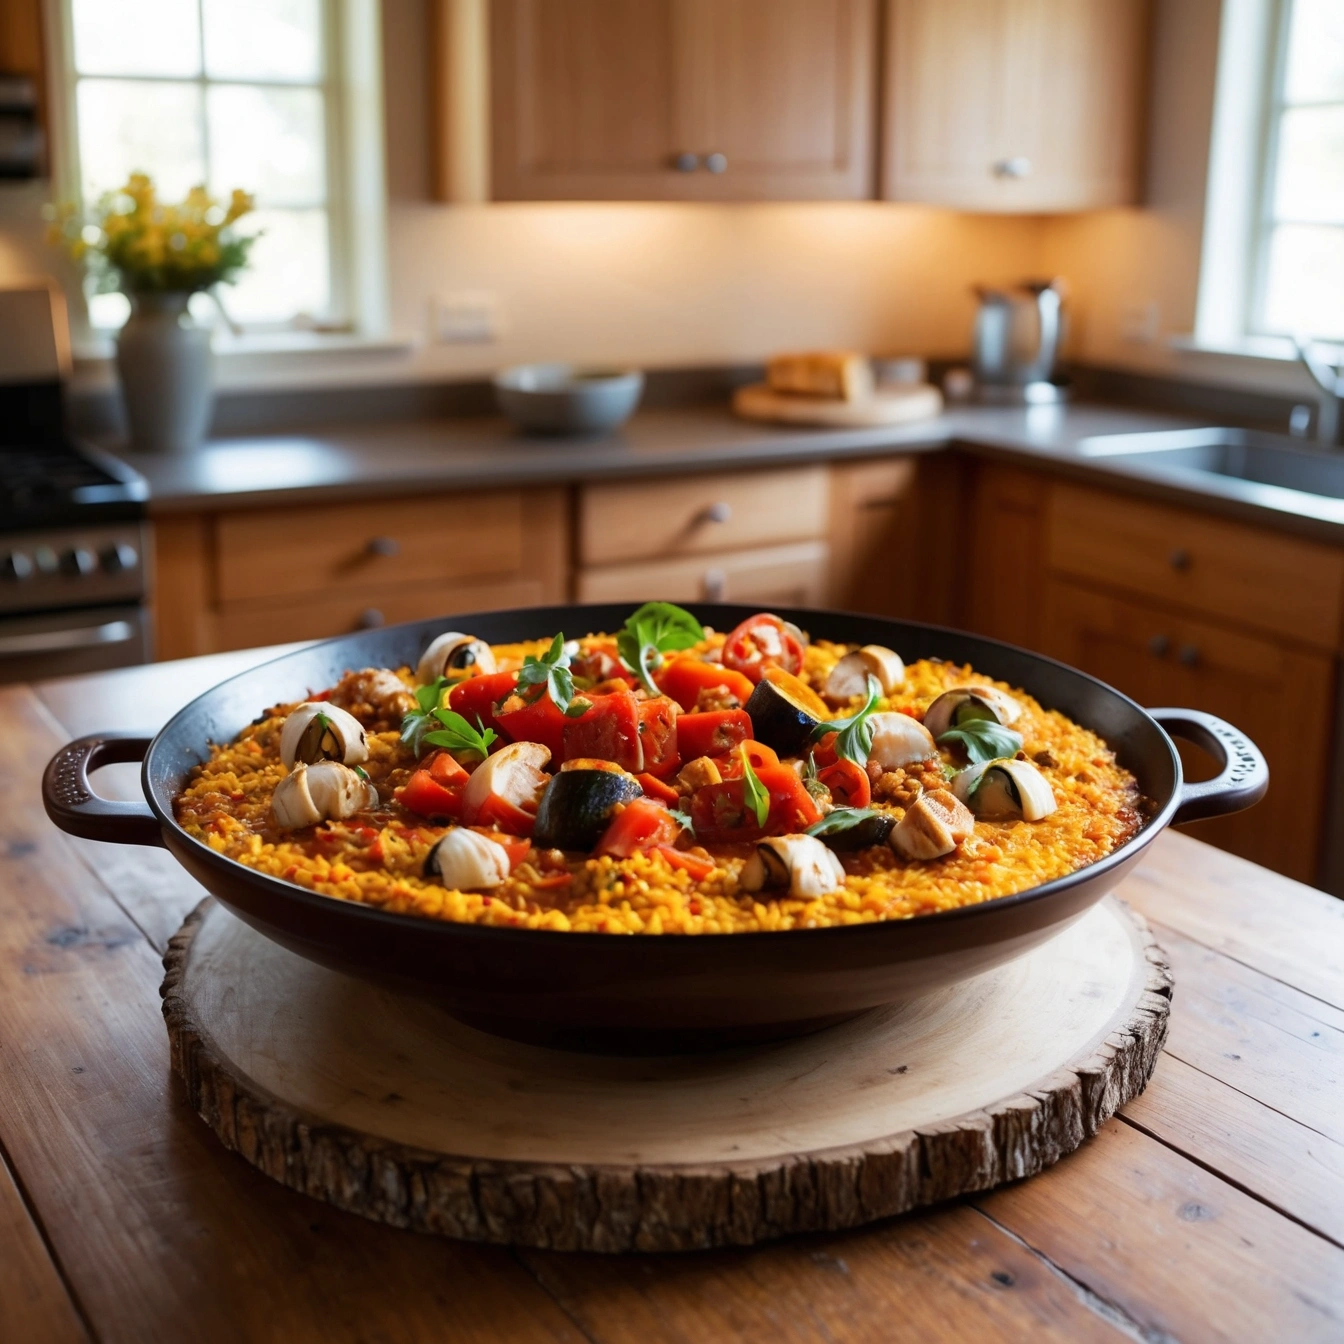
(63, 643)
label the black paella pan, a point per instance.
(671, 991)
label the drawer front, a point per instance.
(1213, 566)
(648, 520)
(243, 625)
(1161, 659)
(271, 553)
(778, 575)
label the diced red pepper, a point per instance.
(498, 812)
(657, 790)
(639, 825)
(447, 770)
(720, 812)
(658, 734)
(517, 847)
(823, 752)
(609, 731)
(426, 797)
(712, 734)
(539, 720)
(849, 784)
(684, 678)
(477, 697)
(698, 868)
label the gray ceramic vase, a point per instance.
(164, 363)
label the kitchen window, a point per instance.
(234, 93)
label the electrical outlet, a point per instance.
(469, 317)
(1139, 323)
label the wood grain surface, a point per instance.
(1203, 1211)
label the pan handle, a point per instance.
(72, 804)
(1242, 779)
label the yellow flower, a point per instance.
(240, 204)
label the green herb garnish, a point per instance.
(854, 736)
(419, 721)
(840, 819)
(655, 629)
(363, 774)
(551, 673)
(755, 793)
(683, 819)
(984, 740)
(457, 735)
(811, 779)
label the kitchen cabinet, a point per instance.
(1013, 105)
(716, 100)
(1007, 554)
(877, 548)
(785, 576)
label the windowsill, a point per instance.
(1273, 349)
(226, 345)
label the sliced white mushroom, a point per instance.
(849, 677)
(1005, 789)
(327, 791)
(513, 774)
(468, 861)
(799, 862)
(964, 703)
(453, 653)
(933, 826)
(317, 731)
(899, 740)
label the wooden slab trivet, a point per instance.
(887, 406)
(388, 1107)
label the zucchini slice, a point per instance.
(785, 712)
(577, 806)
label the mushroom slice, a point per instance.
(849, 677)
(1005, 788)
(963, 703)
(933, 826)
(513, 774)
(799, 862)
(316, 731)
(899, 740)
(467, 861)
(454, 653)
(326, 791)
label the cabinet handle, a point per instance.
(1188, 655)
(716, 162)
(1015, 167)
(719, 512)
(383, 546)
(686, 163)
(715, 585)
(1158, 646)
(371, 618)
(1180, 559)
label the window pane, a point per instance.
(1310, 183)
(136, 37)
(127, 127)
(263, 39)
(290, 270)
(1305, 280)
(268, 141)
(1315, 52)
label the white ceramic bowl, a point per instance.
(563, 399)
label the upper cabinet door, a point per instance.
(1014, 105)
(682, 99)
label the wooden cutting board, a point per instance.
(388, 1107)
(887, 406)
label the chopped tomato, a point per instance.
(538, 720)
(698, 868)
(446, 770)
(499, 812)
(601, 663)
(684, 678)
(425, 796)
(760, 642)
(608, 731)
(639, 825)
(517, 847)
(849, 784)
(658, 735)
(657, 790)
(477, 697)
(720, 812)
(712, 734)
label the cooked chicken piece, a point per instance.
(698, 773)
(799, 862)
(933, 826)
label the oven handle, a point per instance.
(72, 804)
(58, 641)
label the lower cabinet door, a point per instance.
(781, 575)
(1280, 696)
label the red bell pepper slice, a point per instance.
(609, 731)
(684, 678)
(426, 797)
(445, 769)
(498, 812)
(477, 697)
(760, 642)
(639, 825)
(657, 790)
(658, 734)
(720, 812)
(849, 784)
(823, 752)
(712, 734)
(536, 720)
(698, 868)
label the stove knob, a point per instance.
(16, 565)
(79, 561)
(118, 556)
(47, 561)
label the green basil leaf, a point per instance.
(841, 819)
(984, 740)
(755, 793)
(655, 629)
(683, 819)
(854, 736)
(458, 735)
(418, 722)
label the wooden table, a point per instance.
(1211, 1208)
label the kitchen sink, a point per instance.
(1238, 454)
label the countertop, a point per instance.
(1211, 1208)
(399, 458)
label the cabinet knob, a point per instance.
(719, 512)
(1014, 168)
(383, 546)
(715, 585)
(1188, 655)
(371, 618)
(686, 163)
(716, 162)
(1179, 559)
(1158, 646)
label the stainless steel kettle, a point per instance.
(1018, 332)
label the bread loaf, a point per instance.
(836, 375)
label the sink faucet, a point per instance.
(1330, 379)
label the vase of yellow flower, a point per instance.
(159, 256)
